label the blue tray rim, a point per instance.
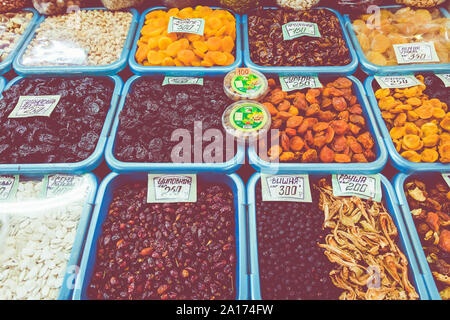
(123, 167)
(366, 168)
(6, 64)
(147, 70)
(397, 160)
(110, 69)
(241, 276)
(399, 182)
(371, 68)
(393, 210)
(340, 70)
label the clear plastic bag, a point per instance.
(12, 5)
(121, 4)
(50, 7)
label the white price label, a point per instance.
(394, 82)
(290, 83)
(165, 188)
(291, 188)
(363, 186)
(446, 177)
(182, 80)
(34, 106)
(195, 26)
(445, 77)
(295, 29)
(419, 52)
(55, 185)
(8, 187)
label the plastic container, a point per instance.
(110, 69)
(81, 167)
(325, 70)
(186, 71)
(390, 202)
(362, 168)
(235, 120)
(372, 69)
(66, 290)
(123, 167)
(395, 158)
(399, 182)
(104, 198)
(6, 64)
(248, 84)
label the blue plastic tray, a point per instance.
(399, 182)
(66, 290)
(396, 159)
(390, 202)
(325, 70)
(371, 69)
(103, 200)
(109, 69)
(81, 167)
(362, 168)
(124, 167)
(186, 71)
(6, 64)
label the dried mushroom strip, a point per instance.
(430, 209)
(318, 125)
(362, 244)
(268, 48)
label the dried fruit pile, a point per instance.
(362, 243)
(332, 248)
(430, 208)
(319, 125)
(405, 25)
(71, 132)
(418, 123)
(156, 47)
(153, 112)
(35, 254)
(267, 47)
(291, 265)
(167, 251)
(12, 25)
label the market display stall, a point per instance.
(224, 150)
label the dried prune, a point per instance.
(167, 251)
(69, 134)
(268, 48)
(153, 112)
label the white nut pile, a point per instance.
(38, 244)
(84, 37)
(12, 27)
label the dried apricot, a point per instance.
(326, 155)
(411, 156)
(429, 155)
(294, 121)
(297, 143)
(342, 158)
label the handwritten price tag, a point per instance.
(290, 83)
(291, 188)
(393, 82)
(182, 81)
(8, 187)
(419, 52)
(195, 26)
(445, 77)
(34, 106)
(57, 184)
(171, 188)
(295, 29)
(366, 187)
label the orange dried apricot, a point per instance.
(411, 156)
(186, 56)
(429, 155)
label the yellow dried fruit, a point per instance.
(429, 155)
(411, 156)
